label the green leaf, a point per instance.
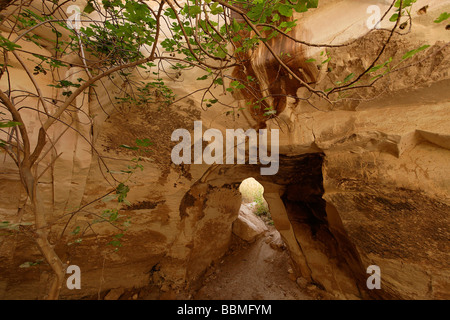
(203, 78)
(221, 53)
(301, 6)
(122, 188)
(285, 10)
(170, 13)
(271, 112)
(312, 3)
(65, 84)
(378, 67)
(216, 9)
(349, 77)
(236, 26)
(219, 81)
(237, 85)
(194, 10)
(406, 3)
(444, 16)
(115, 243)
(376, 77)
(394, 17)
(144, 142)
(8, 45)
(415, 51)
(9, 124)
(89, 8)
(326, 61)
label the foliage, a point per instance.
(444, 16)
(261, 206)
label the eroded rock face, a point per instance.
(400, 227)
(366, 183)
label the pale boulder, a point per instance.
(248, 226)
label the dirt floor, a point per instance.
(257, 271)
(260, 270)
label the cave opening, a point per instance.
(304, 244)
(257, 265)
(253, 197)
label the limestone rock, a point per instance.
(248, 226)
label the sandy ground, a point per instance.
(248, 271)
(254, 271)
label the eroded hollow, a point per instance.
(257, 265)
(311, 229)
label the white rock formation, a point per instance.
(248, 226)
